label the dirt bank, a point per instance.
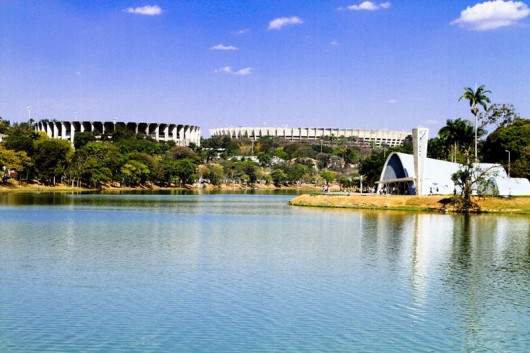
(520, 205)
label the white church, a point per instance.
(418, 175)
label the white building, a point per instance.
(183, 135)
(378, 137)
(418, 175)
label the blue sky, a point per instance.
(333, 63)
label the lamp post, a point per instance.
(509, 160)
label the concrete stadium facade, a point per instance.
(378, 137)
(183, 135)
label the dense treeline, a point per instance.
(125, 159)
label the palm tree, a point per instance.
(459, 133)
(476, 97)
(449, 134)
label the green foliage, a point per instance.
(180, 152)
(513, 138)
(17, 160)
(470, 177)
(156, 171)
(134, 172)
(278, 177)
(247, 171)
(521, 167)
(184, 170)
(328, 176)
(280, 153)
(476, 98)
(4, 126)
(139, 144)
(350, 155)
(214, 173)
(51, 159)
(438, 149)
(20, 141)
(345, 182)
(321, 148)
(87, 168)
(372, 166)
(296, 172)
(500, 115)
(82, 138)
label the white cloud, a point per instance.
(242, 31)
(278, 23)
(223, 47)
(369, 6)
(334, 43)
(392, 101)
(148, 10)
(244, 72)
(228, 70)
(492, 14)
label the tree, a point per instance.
(247, 171)
(152, 162)
(372, 166)
(345, 182)
(185, 170)
(458, 133)
(51, 158)
(328, 176)
(134, 172)
(82, 138)
(295, 171)
(476, 98)
(214, 173)
(278, 177)
(107, 156)
(4, 126)
(513, 138)
(17, 160)
(19, 141)
(500, 115)
(181, 152)
(521, 167)
(86, 168)
(470, 177)
(437, 148)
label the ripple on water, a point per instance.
(133, 273)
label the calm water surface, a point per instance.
(248, 273)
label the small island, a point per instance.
(434, 203)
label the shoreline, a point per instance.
(434, 203)
(14, 187)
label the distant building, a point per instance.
(377, 137)
(2, 137)
(183, 135)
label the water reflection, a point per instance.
(247, 272)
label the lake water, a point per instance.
(248, 273)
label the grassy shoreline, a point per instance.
(436, 203)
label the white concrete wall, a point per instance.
(378, 137)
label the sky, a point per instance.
(388, 65)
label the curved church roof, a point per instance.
(399, 168)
